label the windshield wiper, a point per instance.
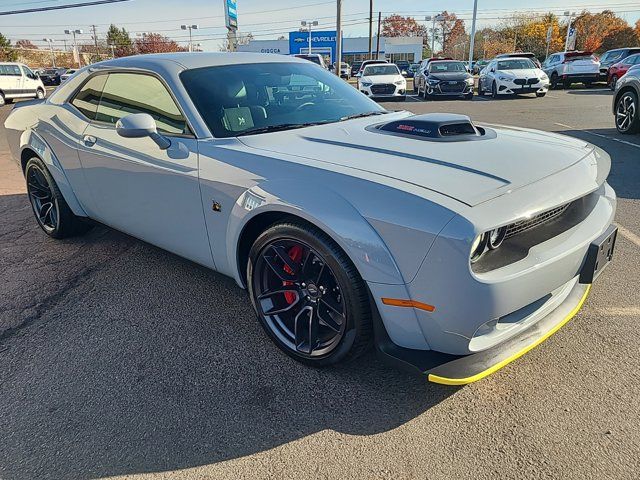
(362, 115)
(278, 128)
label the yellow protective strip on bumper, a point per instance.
(508, 360)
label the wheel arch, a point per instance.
(33, 145)
(325, 210)
(619, 93)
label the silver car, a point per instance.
(626, 107)
(452, 247)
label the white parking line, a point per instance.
(563, 125)
(619, 311)
(632, 237)
(625, 142)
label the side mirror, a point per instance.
(359, 74)
(139, 125)
(403, 72)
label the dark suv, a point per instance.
(610, 57)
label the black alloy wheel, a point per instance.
(44, 204)
(554, 81)
(49, 206)
(612, 83)
(308, 295)
(627, 113)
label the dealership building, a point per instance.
(353, 49)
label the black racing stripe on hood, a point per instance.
(408, 155)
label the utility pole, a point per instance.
(435, 18)
(309, 24)
(378, 38)
(339, 36)
(75, 45)
(370, 28)
(95, 40)
(473, 33)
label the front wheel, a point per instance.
(554, 81)
(612, 82)
(494, 90)
(52, 213)
(308, 295)
(627, 113)
(469, 96)
(540, 94)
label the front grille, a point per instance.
(457, 87)
(536, 221)
(383, 89)
(526, 81)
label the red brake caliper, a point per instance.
(295, 253)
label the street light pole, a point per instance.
(189, 27)
(339, 36)
(473, 33)
(53, 55)
(309, 24)
(73, 32)
(434, 18)
(571, 15)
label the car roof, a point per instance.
(190, 60)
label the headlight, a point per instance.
(433, 81)
(400, 82)
(366, 84)
(544, 77)
(490, 240)
(470, 81)
(502, 78)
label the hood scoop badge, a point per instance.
(435, 127)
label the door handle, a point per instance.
(89, 140)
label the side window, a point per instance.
(14, 70)
(27, 71)
(127, 93)
(88, 98)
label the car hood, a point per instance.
(522, 73)
(382, 79)
(448, 76)
(471, 172)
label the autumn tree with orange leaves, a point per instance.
(157, 43)
(597, 29)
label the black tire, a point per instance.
(338, 283)
(612, 83)
(494, 91)
(402, 99)
(554, 81)
(51, 210)
(3, 100)
(480, 90)
(469, 96)
(540, 94)
(40, 93)
(627, 113)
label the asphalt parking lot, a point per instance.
(118, 359)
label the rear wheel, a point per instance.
(40, 94)
(494, 90)
(308, 295)
(52, 213)
(613, 82)
(554, 80)
(627, 113)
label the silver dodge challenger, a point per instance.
(450, 246)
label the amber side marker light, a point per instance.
(397, 302)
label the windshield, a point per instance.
(441, 67)
(236, 99)
(311, 58)
(384, 69)
(515, 64)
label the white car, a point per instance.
(65, 76)
(512, 76)
(383, 81)
(565, 68)
(19, 81)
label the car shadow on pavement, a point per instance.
(149, 363)
(593, 91)
(624, 151)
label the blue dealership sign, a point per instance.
(231, 14)
(324, 40)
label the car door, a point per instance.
(14, 76)
(138, 188)
(29, 82)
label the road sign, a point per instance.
(231, 14)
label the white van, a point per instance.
(19, 81)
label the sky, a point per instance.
(264, 19)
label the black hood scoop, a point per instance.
(434, 127)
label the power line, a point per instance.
(60, 7)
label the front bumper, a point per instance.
(371, 91)
(463, 369)
(511, 88)
(447, 89)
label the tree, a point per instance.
(241, 39)
(452, 31)
(157, 43)
(637, 29)
(624, 37)
(593, 28)
(26, 44)
(398, 26)
(7, 53)
(121, 41)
